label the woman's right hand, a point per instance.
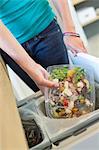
(12, 47)
(40, 77)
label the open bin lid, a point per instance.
(11, 133)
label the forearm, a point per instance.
(63, 8)
(10, 45)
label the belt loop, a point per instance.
(35, 38)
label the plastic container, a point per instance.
(75, 95)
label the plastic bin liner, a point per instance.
(86, 60)
(34, 131)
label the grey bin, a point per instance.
(58, 129)
(26, 113)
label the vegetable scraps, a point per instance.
(72, 98)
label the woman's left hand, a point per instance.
(75, 44)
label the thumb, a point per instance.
(50, 84)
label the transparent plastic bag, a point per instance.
(32, 131)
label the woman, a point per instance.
(33, 24)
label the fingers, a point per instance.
(46, 83)
(75, 44)
(74, 50)
(50, 84)
(77, 50)
(42, 88)
(42, 79)
(85, 50)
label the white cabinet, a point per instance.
(78, 26)
(88, 16)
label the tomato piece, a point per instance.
(65, 102)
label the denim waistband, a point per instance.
(45, 32)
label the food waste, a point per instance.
(72, 98)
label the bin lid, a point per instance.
(11, 132)
(87, 140)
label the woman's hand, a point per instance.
(40, 77)
(12, 47)
(75, 44)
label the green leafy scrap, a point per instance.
(80, 73)
(59, 73)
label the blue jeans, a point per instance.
(47, 49)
